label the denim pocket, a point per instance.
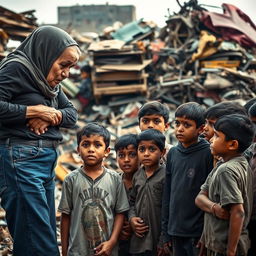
(3, 183)
(24, 153)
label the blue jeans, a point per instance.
(27, 192)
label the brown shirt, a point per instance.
(146, 203)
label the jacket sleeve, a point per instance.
(69, 113)
(10, 112)
(166, 200)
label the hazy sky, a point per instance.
(155, 10)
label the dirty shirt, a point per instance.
(146, 203)
(229, 183)
(92, 205)
(186, 170)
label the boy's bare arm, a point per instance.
(235, 227)
(205, 204)
(64, 232)
(106, 247)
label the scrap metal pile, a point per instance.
(198, 56)
(15, 26)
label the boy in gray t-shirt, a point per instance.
(226, 195)
(93, 199)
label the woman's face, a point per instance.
(61, 67)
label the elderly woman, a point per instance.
(32, 108)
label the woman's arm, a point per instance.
(68, 111)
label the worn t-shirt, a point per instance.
(92, 205)
(228, 183)
(146, 203)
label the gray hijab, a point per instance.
(38, 52)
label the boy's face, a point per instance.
(127, 159)
(149, 154)
(92, 150)
(219, 146)
(153, 122)
(208, 130)
(186, 131)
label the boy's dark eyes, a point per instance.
(185, 124)
(150, 148)
(142, 149)
(86, 144)
(130, 155)
(146, 121)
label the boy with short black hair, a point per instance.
(188, 165)
(93, 199)
(146, 195)
(218, 110)
(154, 115)
(226, 195)
(127, 158)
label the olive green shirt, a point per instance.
(228, 183)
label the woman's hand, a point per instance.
(38, 126)
(49, 114)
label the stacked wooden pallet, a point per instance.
(119, 71)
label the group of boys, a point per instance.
(169, 200)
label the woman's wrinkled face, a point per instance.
(61, 66)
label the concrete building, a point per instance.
(94, 18)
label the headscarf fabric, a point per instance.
(38, 52)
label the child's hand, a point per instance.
(104, 248)
(165, 250)
(221, 212)
(126, 231)
(202, 248)
(138, 226)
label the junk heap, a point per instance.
(199, 56)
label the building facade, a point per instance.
(94, 18)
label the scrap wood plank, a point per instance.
(142, 88)
(117, 75)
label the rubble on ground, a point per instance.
(190, 59)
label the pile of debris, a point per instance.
(15, 26)
(198, 56)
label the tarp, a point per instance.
(232, 25)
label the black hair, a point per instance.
(126, 140)
(86, 68)
(94, 129)
(154, 108)
(236, 127)
(248, 104)
(224, 108)
(156, 136)
(192, 111)
(252, 111)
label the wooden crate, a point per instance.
(102, 89)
